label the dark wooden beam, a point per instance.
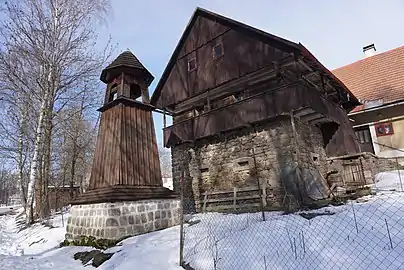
(311, 117)
(303, 112)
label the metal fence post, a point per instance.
(182, 219)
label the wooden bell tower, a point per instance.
(126, 163)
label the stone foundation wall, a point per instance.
(226, 162)
(117, 220)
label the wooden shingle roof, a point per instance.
(376, 78)
(127, 60)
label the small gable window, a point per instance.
(192, 64)
(384, 129)
(218, 51)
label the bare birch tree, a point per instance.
(49, 48)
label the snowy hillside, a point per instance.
(363, 234)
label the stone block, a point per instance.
(157, 224)
(114, 212)
(112, 222)
(109, 221)
(139, 229)
(143, 218)
(164, 223)
(149, 226)
(150, 216)
(131, 220)
(123, 221)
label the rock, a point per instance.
(100, 258)
(86, 256)
(97, 256)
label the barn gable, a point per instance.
(245, 50)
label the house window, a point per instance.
(363, 136)
(192, 64)
(217, 51)
(384, 129)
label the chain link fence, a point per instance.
(364, 229)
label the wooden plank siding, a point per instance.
(126, 152)
(243, 54)
(255, 109)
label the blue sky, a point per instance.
(334, 31)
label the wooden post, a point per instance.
(182, 221)
(362, 171)
(399, 174)
(258, 184)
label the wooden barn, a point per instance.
(254, 116)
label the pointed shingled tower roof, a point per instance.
(127, 61)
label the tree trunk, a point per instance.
(20, 161)
(34, 163)
(73, 170)
(47, 162)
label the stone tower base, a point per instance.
(122, 219)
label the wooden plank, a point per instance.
(128, 149)
(311, 116)
(304, 111)
(231, 191)
(96, 176)
(117, 161)
(230, 207)
(142, 149)
(135, 180)
(111, 175)
(147, 147)
(98, 163)
(138, 147)
(122, 148)
(232, 199)
(156, 158)
(108, 142)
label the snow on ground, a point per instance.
(351, 236)
(293, 242)
(38, 248)
(392, 181)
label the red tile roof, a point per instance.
(379, 77)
